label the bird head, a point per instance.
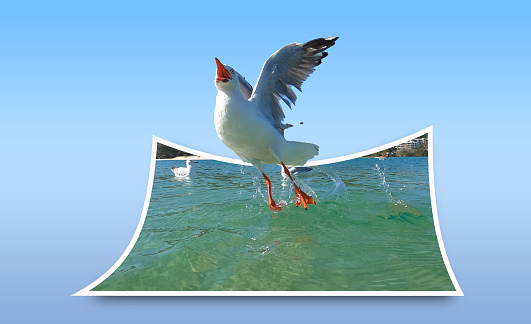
(226, 77)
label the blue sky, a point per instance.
(397, 67)
(85, 85)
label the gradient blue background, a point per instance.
(85, 85)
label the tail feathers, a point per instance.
(299, 153)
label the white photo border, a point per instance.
(458, 292)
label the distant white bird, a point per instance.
(185, 172)
(295, 170)
(249, 121)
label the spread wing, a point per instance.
(289, 66)
(245, 87)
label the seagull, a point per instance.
(296, 170)
(185, 172)
(249, 121)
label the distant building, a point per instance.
(412, 144)
(415, 143)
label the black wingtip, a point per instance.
(324, 54)
(320, 43)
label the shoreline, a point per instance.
(184, 158)
(199, 158)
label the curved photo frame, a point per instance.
(396, 250)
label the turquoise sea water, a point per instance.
(372, 229)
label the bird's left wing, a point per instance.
(289, 66)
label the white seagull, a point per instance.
(249, 121)
(189, 171)
(296, 170)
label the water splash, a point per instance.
(322, 183)
(396, 208)
(338, 190)
(385, 185)
(259, 198)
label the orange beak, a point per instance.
(222, 74)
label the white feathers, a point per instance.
(189, 171)
(252, 127)
(289, 66)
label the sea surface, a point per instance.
(371, 230)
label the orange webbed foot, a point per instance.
(303, 198)
(274, 207)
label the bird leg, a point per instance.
(272, 205)
(302, 197)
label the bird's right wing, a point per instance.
(289, 66)
(245, 87)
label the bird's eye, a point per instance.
(232, 71)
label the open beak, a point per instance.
(222, 74)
